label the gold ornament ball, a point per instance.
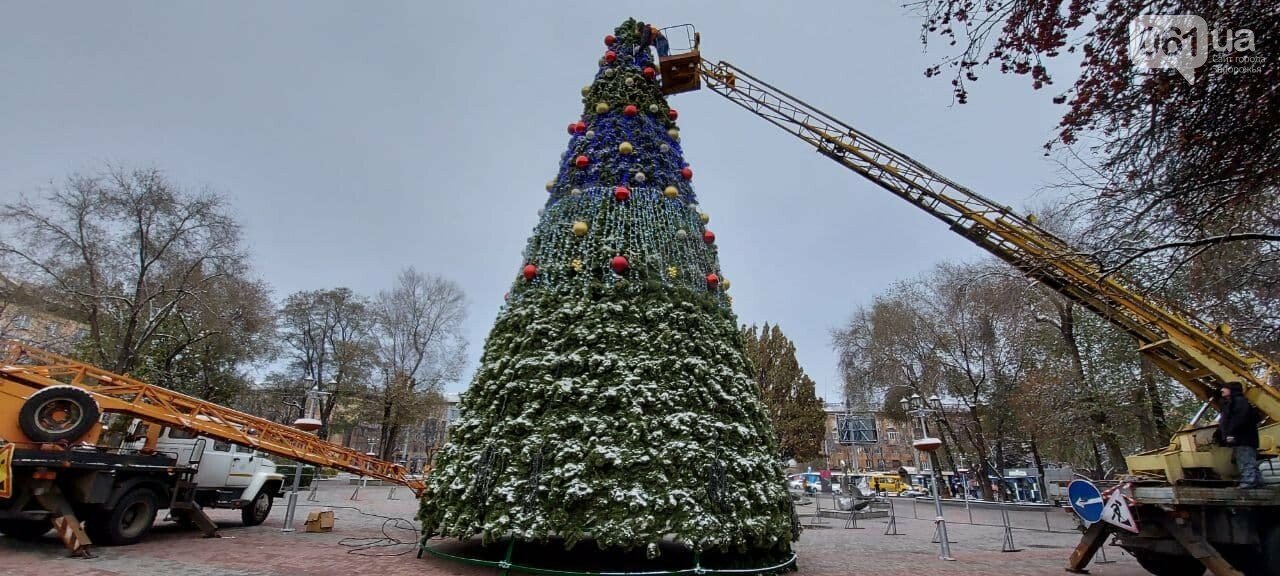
(626, 148)
(586, 89)
(724, 284)
(670, 192)
(674, 134)
(550, 184)
(703, 217)
(602, 107)
(672, 271)
(579, 228)
(576, 265)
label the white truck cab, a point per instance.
(228, 475)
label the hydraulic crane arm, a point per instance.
(37, 369)
(1189, 350)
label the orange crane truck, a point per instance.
(188, 455)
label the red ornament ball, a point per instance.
(621, 193)
(573, 126)
(713, 280)
(649, 72)
(672, 114)
(609, 40)
(686, 172)
(610, 56)
(619, 264)
(581, 161)
(631, 110)
(530, 271)
(709, 237)
(579, 127)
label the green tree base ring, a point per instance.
(507, 566)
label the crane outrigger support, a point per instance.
(25, 369)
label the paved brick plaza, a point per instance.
(264, 550)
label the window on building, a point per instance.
(52, 329)
(892, 433)
(22, 322)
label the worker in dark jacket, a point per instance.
(1238, 429)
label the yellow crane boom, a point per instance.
(26, 368)
(1191, 351)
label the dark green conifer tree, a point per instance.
(788, 393)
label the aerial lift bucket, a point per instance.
(680, 70)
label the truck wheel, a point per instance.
(1168, 564)
(258, 510)
(22, 529)
(58, 413)
(128, 522)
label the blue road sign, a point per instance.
(1086, 500)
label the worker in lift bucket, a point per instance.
(650, 34)
(660, 42)
(1238, 429)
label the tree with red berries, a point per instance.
(614, 401)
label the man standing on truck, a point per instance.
(1238, 429)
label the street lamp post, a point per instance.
(308, 421)
(919, 407)
(297, 478)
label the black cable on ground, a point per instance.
(366, 546)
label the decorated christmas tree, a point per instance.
(613, 401)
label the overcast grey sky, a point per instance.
(355, 139)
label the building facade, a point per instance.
(889, 451)
(30, 318)
(418, 443)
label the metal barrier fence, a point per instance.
(1001, 514)
(1046, 518)
(1007, 517)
